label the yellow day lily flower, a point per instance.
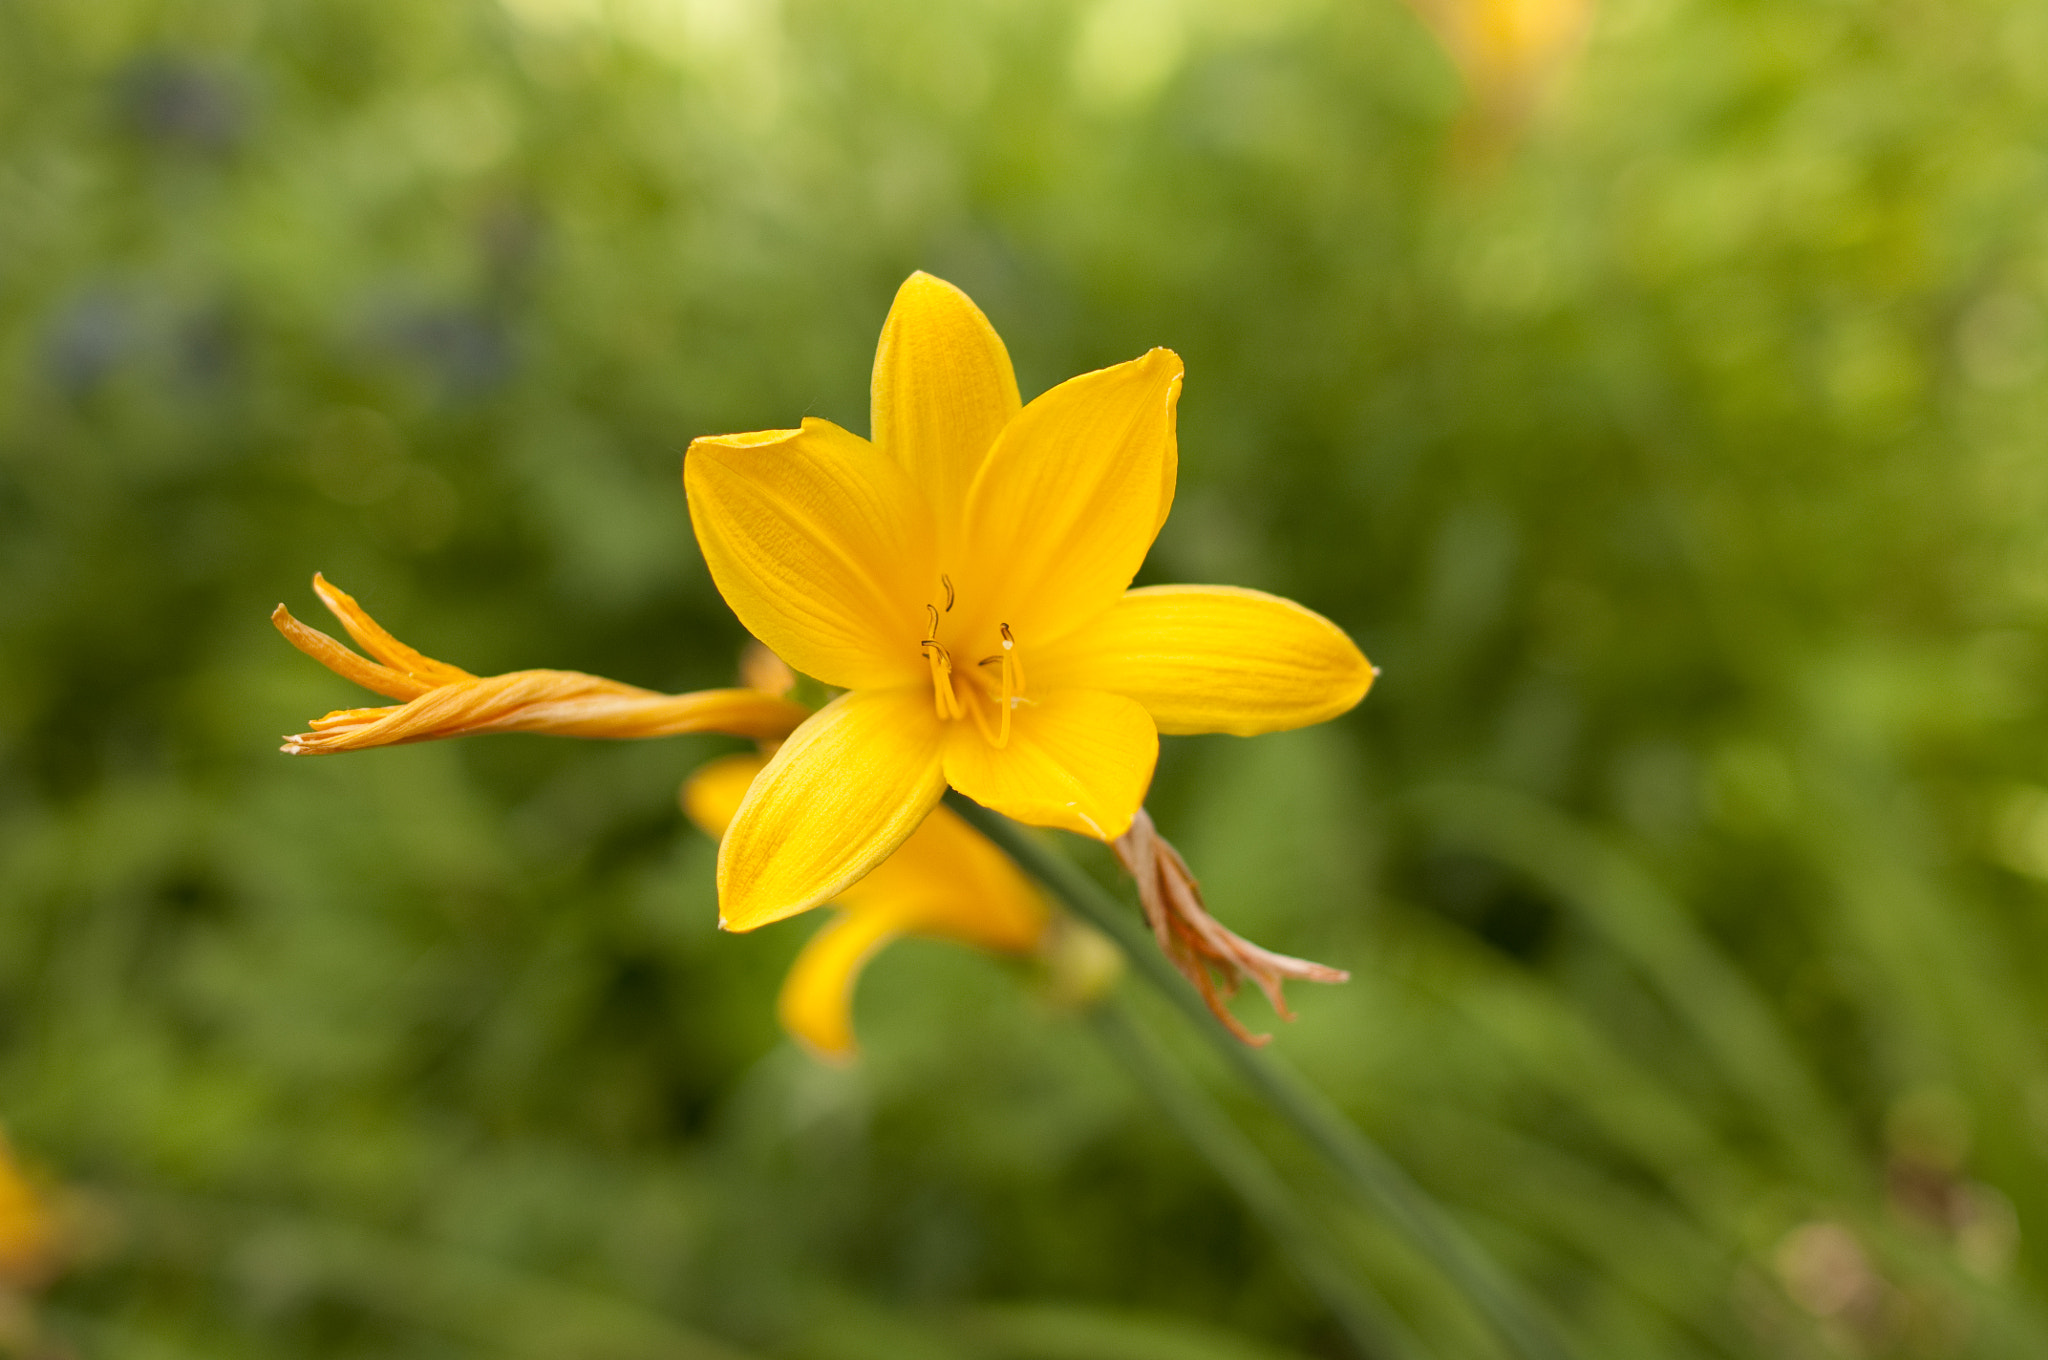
(441, 700)
(30, 1242)
(945, 881)
(964, 576)
(1508, 51)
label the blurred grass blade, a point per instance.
(445, 1289)
(1955, 1003)
(1040, 1331)
(1620, 900)
(1371, 1174)
(1373, 1328)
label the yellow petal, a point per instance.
(943, 390)
(1069, 501)
(822, 547)
(816, 1004)
(950, 881)
(345, 663)
(1214, 659)
(947, 880)
(763, 670)
(373, 638)
(713, 794)
(1078, 759)
(848, 787)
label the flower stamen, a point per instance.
(941, 663)
(998, 737)
(1011, 655)
(1012, 682)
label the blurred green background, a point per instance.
(1677, 452)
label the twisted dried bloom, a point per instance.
(1213, 957)
(440, 700)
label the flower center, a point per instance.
(997, 679)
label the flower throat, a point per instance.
(946, 698)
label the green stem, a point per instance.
(1365, 1317)
(1372, 1175)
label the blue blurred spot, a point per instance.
(88, 339)
(174, 102)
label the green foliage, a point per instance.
(1678, 461)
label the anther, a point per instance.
(947, 582)
(932, 631)
(1010, 654)
(1012, 682)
